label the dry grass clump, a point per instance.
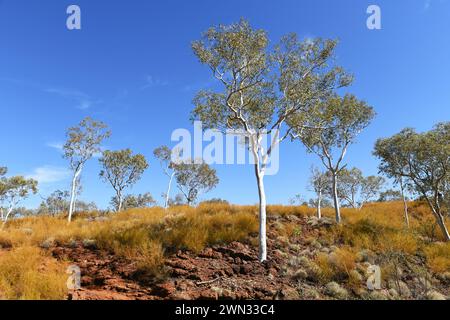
(195, 231)
(438, 257)
(336, 266)
(28, 273)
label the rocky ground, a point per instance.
(233, 272)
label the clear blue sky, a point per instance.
(131, 66)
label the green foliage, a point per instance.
(355, 189)
(423, 159)
(132, 202)
(122, 169)
(194, 177)
(83, 141)
(12, 191)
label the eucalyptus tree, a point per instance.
(329, 129)
(319, 183)
(356, 190)
(134, 201)
(122, 169)
(395, 166)
(56, 203)
(390, 195)
(83, 142)
(12, 191)
(423, 160)
(194, 178)
(261, 87)
(164, 155)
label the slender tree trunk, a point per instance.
(405, 204)
(73, 192)
(441, 222)
(166, 204)
(11, 208)
(319, 203)
(120, 200)
(337, 207)
(1, 214)
(262, 215)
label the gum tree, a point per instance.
(261, 88)
(56, 203)
(83, 142)
(330, 128)
(135, 201)
(12, 191)
(423, 160)
(193, 178)
(356, 190)
(164, 155)
(122, 169)
(319, 182)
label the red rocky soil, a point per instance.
(223, 272)
(219, 272)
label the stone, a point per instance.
(48, 243)
(89, 244)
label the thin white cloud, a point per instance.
(49, 174)
(55, 145)
(84, 101)
(151, 81)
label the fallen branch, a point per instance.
(208, 282)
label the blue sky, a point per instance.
(132, 67)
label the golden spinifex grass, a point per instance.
(147, 236)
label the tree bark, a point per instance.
(120, 201)
(262, 215)
(336, 199)
(319, 203)
(74, 190)
(166, 204)
(441, 222)
(405, 204)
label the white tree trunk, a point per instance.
(120, 199)
(73, 192)
(319, 203)
(441, 222)
(166, 204)
(405, 205)
(262, 215)
(336, 199)
(11, 208)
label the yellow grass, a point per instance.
(147, 236)
(29, 273)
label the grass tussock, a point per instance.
(28, 273)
